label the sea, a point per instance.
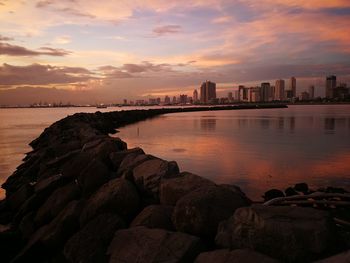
(255, 149)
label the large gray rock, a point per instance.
(340, 258)
(172, 189)
(200, 211)
(92, 176)
(56, 202)
(148, 175)
(118, 196)
(155, 216)
(233, 256)
(291, 234)
(118, 157)
(50, 238)
(140, 244)
(91, 242)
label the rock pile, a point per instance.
(82, 196)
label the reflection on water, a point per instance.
(256, 149)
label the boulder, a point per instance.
(172, 189)
(148, 174)
(141, 244)
(48, 185)
(301, 187)
(118, 196)
(132, 160)
(155, 216)
(50, 238)
(273, 193)
(238, 190)
(92, 176)
(117, 157)
(339, 258)
(233, 256)
(73, 168)
(291, 234)
(200, 211)
(16, 199)
(91, 242)
(290, 191)
(56, 202)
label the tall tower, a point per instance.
(311, 92)
(279, 89)
(331, 84)
(293, 86)
(195, 96)
(208, 91)
(265, 91)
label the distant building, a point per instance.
(167, 100)
(293, 86)
(265, 91)
(208, 92)
(312, 92)
(230, 96)
(331, 83)
(279, 90)
(125, 101)
(254, 94)
(304, 96)
(195, 96)
(174, 100)
(183, 99)
(341, 92)
(243, 93)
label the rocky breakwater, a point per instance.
(83, 196)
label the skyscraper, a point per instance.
(167, 100)
(208, 91)
(279, 90)
(195, 96)
(242, 93)
(265, 91)
(311, 92)
(293, 86)
(230, 96)
(331, 84)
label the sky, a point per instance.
(88, 51)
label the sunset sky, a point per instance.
(88, 50)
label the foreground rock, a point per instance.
(233, 256)
(155, 216)
(340, 258)
(140, 244)
(291, 234)
(199, 212)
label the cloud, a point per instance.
(3, 38)
(62, 39)
(14, 50)
(166, 30)
(111, 72)
(37, 74)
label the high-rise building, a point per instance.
(293, 86)
(254, 94)
(167, 100)
(331, 84)
(265, 91)
(243, 93)
(279, 90)
(183, 99)
(195, 96)
(230, 96)
(311, 92)
(208, 92)
(174, 100)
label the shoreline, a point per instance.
(80, 186)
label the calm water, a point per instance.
(255, 149)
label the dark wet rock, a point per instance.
(234, 256)
(290, 191)
(92, 176)
(5, 213)
(141, 244)
(20, 196)
(301, 187)
(147, 175)
(48, 185)
(56, 202)
(339, 258)
(50, 238)
(155, 216)
(117, 157)
(91, 242)
(10, 244)
(338, 190)
(131, 161)
(118, 196)
(291, 234)
(238, 190)
(199, 212)
(27, 226)
(73, 168)
(172, 189)
(273, 193)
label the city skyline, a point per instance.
(84, 51)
